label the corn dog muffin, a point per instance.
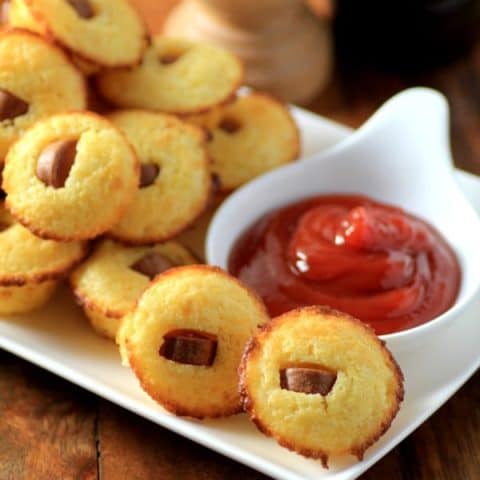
(175, 76)
(111, 281)
(321, 383)
(194, 237)
(36, 80)
(30, 268)
(105, 33)
(175, 180)
(70, 177)
(185, 339)
(250, 136)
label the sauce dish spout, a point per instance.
(405, 142)
(417, 115)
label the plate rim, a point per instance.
(185, 427)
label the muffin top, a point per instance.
(36, 80)
(250, 136)
(213, 308)
(114, 276)
(320, 382)
(175, 181)
(109, 33)
(26, 258)
(175, 76)
(70, 177)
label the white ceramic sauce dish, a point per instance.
(401, 156)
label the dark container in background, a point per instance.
(404, 35)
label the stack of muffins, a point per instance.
(109, 135)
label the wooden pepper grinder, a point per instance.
(286, 50)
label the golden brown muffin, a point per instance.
(26, 298)
(185, 339)
(30, 267)
(175, 181)
(18, 15)
(175, 76)
(321, 383)
(106, 33)
(110, 282)
(36, 80)
(87, 68)
(250, 136)
(195, 236)
(70, 177)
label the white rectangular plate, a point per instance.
(59, 339)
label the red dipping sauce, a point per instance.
(376, 262)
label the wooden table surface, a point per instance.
(51, 429)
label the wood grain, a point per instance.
(47, 428)
(446, 447)
(132, 448)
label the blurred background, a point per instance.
(379, 48)
(410, 35)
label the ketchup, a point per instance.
(376, 262)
